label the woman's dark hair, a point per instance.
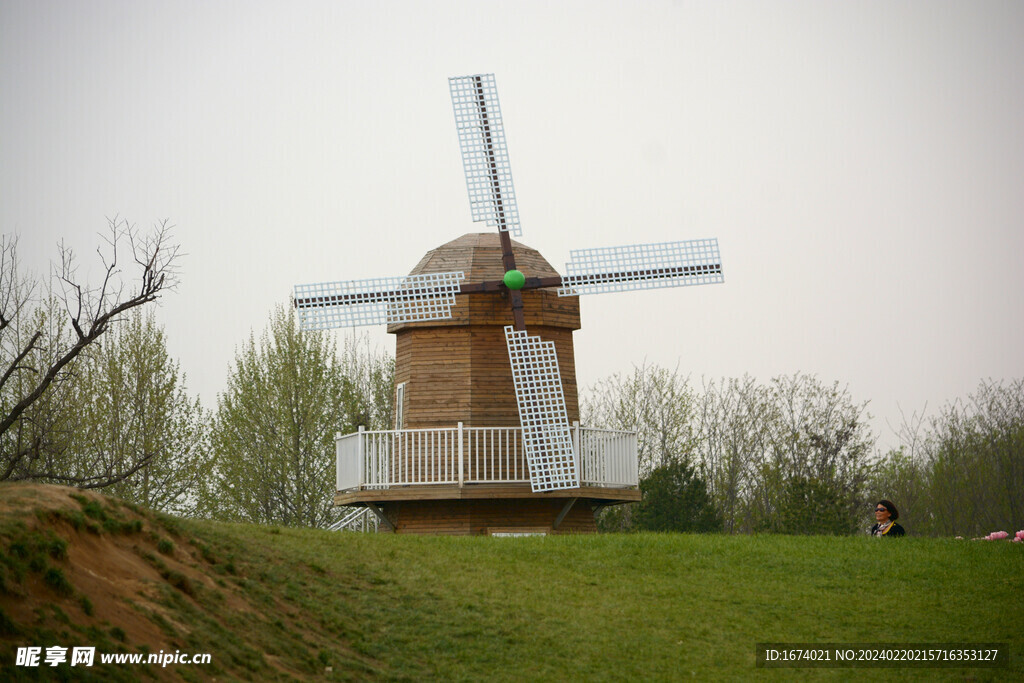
(893, 512)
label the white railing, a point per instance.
(607, 456)
(359, 519)
(457, 456)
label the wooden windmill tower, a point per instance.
(486, 438)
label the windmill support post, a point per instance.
(380, 516)
(564, 512)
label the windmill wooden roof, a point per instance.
(478, 255)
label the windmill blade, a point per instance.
(413, 298)
(538, 384)
(492, 197)
(642, 266)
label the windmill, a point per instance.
(430, 297)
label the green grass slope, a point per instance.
(271, 603)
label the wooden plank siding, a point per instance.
(475, 517)
(462, 374)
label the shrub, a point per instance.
(55, 579)
(181, 582)
(7, 627)
(58, 548)
(812, 506)
(675, 499)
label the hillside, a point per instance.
(77, 568)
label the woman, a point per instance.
(886, 515)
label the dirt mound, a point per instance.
(80, 569)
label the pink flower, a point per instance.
(997, 536)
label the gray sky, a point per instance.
(862, 165)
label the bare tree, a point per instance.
(901, 474)
(41, 337)
(736, 419)
(794, 445)
(16, 291)
(965, 474)
(656, 402)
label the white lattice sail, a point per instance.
(413, 298)
(541, 401)
(642, 266)
(492, 197)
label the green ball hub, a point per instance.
(514, 279)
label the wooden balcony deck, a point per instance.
(463, 463)
(482, 492)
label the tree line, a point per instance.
(90, 397)
(796, 455)
(960, 472)
(789, 456)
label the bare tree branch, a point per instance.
(90, 312)
(16, 288)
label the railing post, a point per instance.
(460, 451)
(337, 462)
(576, 451)
(362, 458)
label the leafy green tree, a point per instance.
(675, 499)
(370, 378)
(135, 415)
(36, 444)
(821, 443)
(273, 434)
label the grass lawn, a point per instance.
(275, 603)
(645, 606)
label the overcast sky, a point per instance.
(861, 164)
